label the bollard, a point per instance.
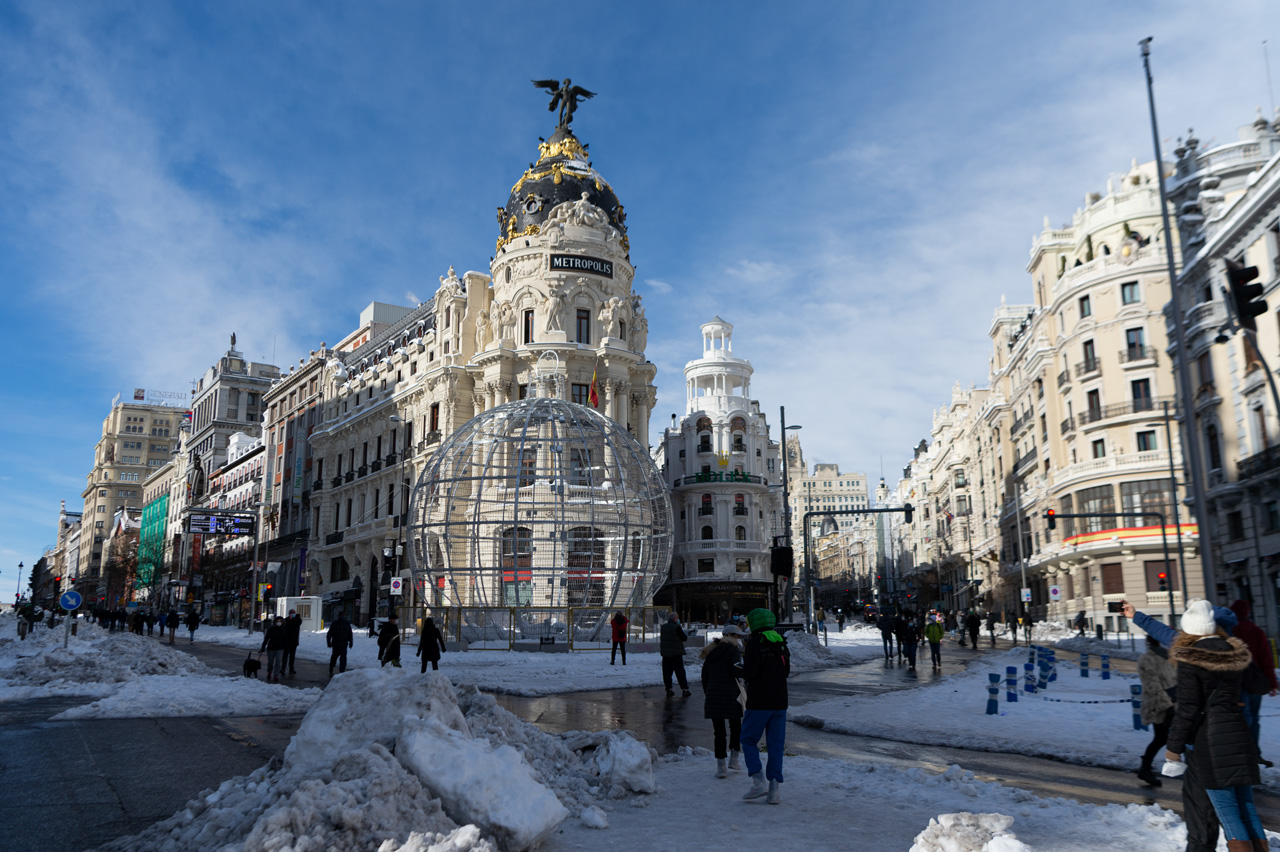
(1029, 678)
(1084, 665)
(1043, 682)
(1053, 665)
(1135, 701)
(1011, 683)
(993, 694)
(1106, 667)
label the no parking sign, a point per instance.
(1055, 593)
(397, 586)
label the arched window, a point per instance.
(579, 467)
(704, 424)
(740, 533)
(708, 533)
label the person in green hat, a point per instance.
(766, 663)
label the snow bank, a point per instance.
(1090, 645)
(394, 761)
(966, 832)
(193, 695)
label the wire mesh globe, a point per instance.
(541, 504)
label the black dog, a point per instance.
(251, 666)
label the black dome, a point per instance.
(561, 174)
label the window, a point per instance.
(1204, 369)
(102, 492)
(580, 467)
(706, 508)
(586, 548)
(1086, 309)
(742, 566)
(706, 566)
(961, 481)
(339, 570)
(1212, 446)
(1235, 526)
(740, 533)
(708, 533)
(1134, 340)
(528, 326)
(1099, 500)
(1147, 442)
(581, 394)
(435, 416)
(1068, 524)
(128, 477)
(1090, 356)
(739, 504)
(584, 326)
(102, 509)
(1141, 390)
(528, 462)
(1153, 495)
(1271, 516)
(1112, 578)
(1093, 400)
(517, 547)
(1129, 293)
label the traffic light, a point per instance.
(1247, 297)
(781, 559)
(907, 511)
(1051, 516)
(57, 579)
(1164, 581)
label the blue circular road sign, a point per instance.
(70, 600)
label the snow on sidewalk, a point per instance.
(154, 696)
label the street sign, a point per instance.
(221, 525)
(1055, 593)
(1026, 596)
(397, 586)
(70, 601)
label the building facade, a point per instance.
(227, 399)
(724, 473)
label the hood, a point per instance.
(719, 647)
(1241, 608)
(1214, 653)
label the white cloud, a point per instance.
(412, 298)
(658, 286)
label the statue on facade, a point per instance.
(503, 318)
(482, 331)
(555, 306)
(639, 326)
(564, 95)
(233, 340)
(611, 312)
(450, 285)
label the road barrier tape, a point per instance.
(1070, 701)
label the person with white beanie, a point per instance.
(1209, 728)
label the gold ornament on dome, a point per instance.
(530, 231)
(567, 147)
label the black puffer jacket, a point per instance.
(1208, 713)
(721, 668)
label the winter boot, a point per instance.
(685, 693)
(775, 795)
(722, 771)
(758, 787)
(734, 764)
(1241, 846)
(1148, 777)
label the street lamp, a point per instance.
(18, 593)
(1173, 496)
(257, 539)
(786, 495)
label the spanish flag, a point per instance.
(593, 398)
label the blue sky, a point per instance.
(853, 185)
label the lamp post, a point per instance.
(18, 592)
(786, 480)
(1173, 496)
(403, 504)
(257, 540)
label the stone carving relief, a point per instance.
(482, 330)
(639, 326)
(612, 312)
(555, 308)
(450, 285)
(503, 319)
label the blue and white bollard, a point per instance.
(1084, 665)
(1135, 701)
(1043, 682)
(993, 694)
(1106, 667)
(1011, 683)
(1029, 677)
(1053, 665)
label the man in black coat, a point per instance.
(339, 638)
(671, 639)
(974, 625)
(389, 641)
(274, 641)
(293, 629)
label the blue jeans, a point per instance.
(773, 724)
(1252, 714)
(1234, 807)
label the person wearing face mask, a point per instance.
(275, 641)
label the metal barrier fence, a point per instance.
(501, 628)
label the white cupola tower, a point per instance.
(717, 382)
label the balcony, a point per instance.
(350, 476)
(1145, 405)
(390, 460)
(333, 538)
(1088, 367)
(1027, 458)
(1064, 378)
(337, 480)
(364, 470)
(318, 485)
(706, 510)
(1154, 460)
(704, 448)
(1138, 355)
(375, 466)
(1068, 426)
(740, 510)
(1206, 316)
(718, 544)
(739, 447)
(721, 476)
(1267, 460)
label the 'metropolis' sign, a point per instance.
(579, 263)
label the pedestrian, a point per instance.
(887, 623)
(1260, 652)
(339, 639)
(431, 645)
(172, 622)
(618, 627)
(193, 622)
(766, 664)
(950, 624)
(821, 617)
(1027, 623)
(908, 637)
(1080, 623)
(671, 639)
(992, 621)
(389, 641)
(839, 621)
(974, 624)
(1210, 673)
(151, 623)
(275, 639)
(293, 627)
(721, 688)
(373, 627)
(933, 635)
(1158, 681)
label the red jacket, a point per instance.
(1253, 636)
(619, 624)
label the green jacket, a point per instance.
(933, 632)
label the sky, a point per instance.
(853, 185)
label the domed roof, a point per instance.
(561, 174)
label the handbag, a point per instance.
(1254, 682)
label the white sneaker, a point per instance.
(721, 771)
(775, 795)
(734, 763)
(758, 787)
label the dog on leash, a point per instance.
(251, 665)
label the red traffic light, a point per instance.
(1051, 515)
(57, 579)
(1163, 576)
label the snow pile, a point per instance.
(160, 695)
(1090, 645)
(966, 832)
(413, 763)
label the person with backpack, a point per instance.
(766, 664)
(339, 638)
(389, 641)
(933, 635)
(721, 670)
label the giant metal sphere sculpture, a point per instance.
(538, 504)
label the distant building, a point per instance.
(228, 398)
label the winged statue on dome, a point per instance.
(564, 95)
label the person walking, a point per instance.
(339, 638)
(974, 625)
(389, 641)
(172, 623)
(193, 622)
(1027, 623)
(933, 635)
(430, 645)
(1080, 623)
(821, 617)
(1158, 680)
(839, 621)
(151, 623)
(618, 632)
(766, 664)
(671, 639)
(721, 670)
(293, 627)
(1260, 652)
(887, 624)
(274, 641)
(909, 638)
(992, 621)
(1210, 671)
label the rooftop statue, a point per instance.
(565, 95)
